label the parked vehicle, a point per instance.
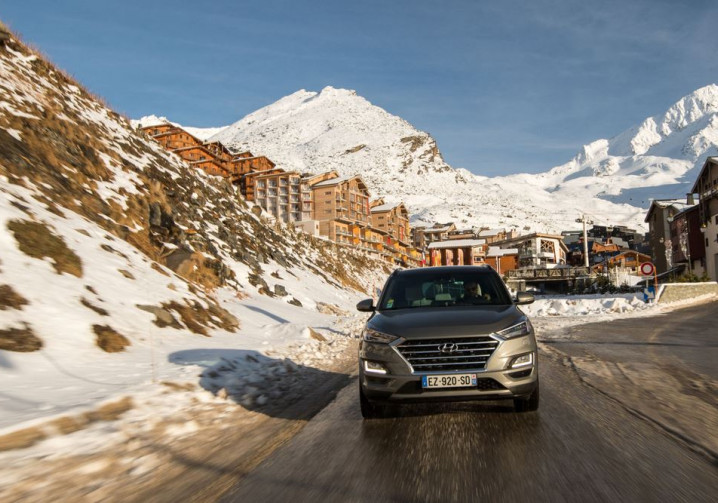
(447, 334)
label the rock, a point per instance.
(280, 291)
(155, 215)
(316, 335)
(163, 317)
(295, 302)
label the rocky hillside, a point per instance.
(104, 236)
(611, 180)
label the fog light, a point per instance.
(522, 361)
(374, 367)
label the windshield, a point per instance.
(442, 289)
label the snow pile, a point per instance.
(259, 379)
(586, 305)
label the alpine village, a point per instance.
(681, 245)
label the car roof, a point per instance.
(449, 269)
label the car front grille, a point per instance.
(453, 354)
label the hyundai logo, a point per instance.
(448, 347)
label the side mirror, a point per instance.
(366, 306)
(524, 298)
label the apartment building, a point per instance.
(392, 218)
(341, 205)
(537, 250)
(706, 186)
(284, 194)
(247, 181)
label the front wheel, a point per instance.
(529, 404)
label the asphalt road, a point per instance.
(684, 339)
(580, 446)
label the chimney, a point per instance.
(690, 200)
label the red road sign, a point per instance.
(647, 268)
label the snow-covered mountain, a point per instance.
(610, 180)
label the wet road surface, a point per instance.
(684, 339)
(580, 446)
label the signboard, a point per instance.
(649, 294)
(647, 268)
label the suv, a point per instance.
(447, 334)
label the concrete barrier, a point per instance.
(673, 292)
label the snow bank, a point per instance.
(586, 305)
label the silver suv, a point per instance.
(447, 334)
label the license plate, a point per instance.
(449, 381)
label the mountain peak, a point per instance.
(613, 180)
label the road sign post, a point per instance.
(648, 269)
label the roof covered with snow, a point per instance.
(456, 243)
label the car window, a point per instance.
(441, 290)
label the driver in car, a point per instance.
(472, 293)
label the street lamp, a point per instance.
(585, 221)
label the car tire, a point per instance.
(529, 404)
(369, 410)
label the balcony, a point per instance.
(556, 273)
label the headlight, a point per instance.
(371, 335)
(523, 328)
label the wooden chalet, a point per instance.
(175, 138)
(219, 151)
(158, 128)
(502, 259)
(457, 252)
(242, 165)
(211, 167)
(626, 259)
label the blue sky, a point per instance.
(503, 86)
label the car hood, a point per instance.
(439, 322)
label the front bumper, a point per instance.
(401, 385)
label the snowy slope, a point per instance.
(611, 180)
(115, 257)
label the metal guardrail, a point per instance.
(557, 273)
